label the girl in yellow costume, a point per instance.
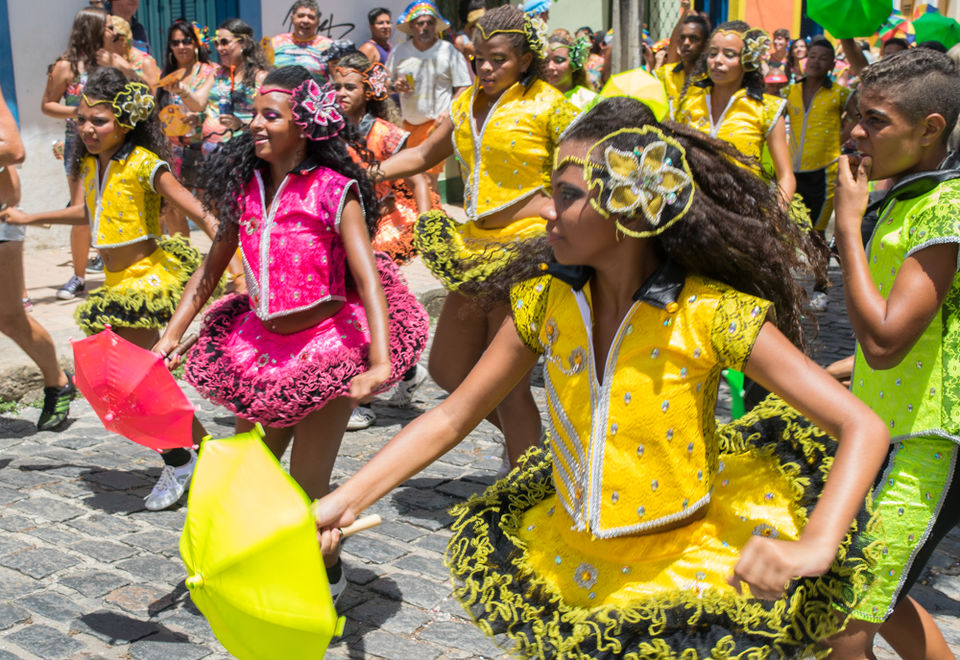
(504, 130)
(730, 104)
(124, 177)
(633, 534)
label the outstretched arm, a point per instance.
(673, 48)
(767, 565)
(173, 191)
(413, 160)
(199, 289)
(434, 433)
(363, 268)
(855, 57)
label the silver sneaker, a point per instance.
(338, 587)
(171, 485)
(403, 393)
(362, 417)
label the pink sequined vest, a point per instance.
(292, 252)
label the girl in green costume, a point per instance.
(903, 298)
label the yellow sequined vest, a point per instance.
(744, 123)
(634, 447)
(124, 208)
(815, 132)
(510, 157)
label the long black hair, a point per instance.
(736, 231)
(228, 169)
(185, 28)
(254, 60)
(104, 84)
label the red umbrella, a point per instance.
(132, 391)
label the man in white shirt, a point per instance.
(427, 72)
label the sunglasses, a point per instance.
(181, 42)
(223, 43)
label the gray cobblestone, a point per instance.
(11, 614)
(38, 562)
(50, 605)
(45, 642)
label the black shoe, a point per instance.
(95, 265)
(70, 290)
(56, 405)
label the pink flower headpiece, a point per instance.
(316, 109)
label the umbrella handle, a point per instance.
(184, 345)
(360, 524)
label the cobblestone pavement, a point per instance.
(86, 572)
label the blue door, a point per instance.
(717, 10)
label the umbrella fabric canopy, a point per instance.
(132, 391)
(934, 27)
(849, 18)
(896, 27)
(250, 547)
(638, 84)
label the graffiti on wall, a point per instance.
(328, 27)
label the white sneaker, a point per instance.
(338, 587)
(362, 417)
(403, 393)
(505, 466)
(171, 485)
(819, 301)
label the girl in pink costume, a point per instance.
(313, 334)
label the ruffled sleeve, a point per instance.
(938, 223)
(736, 324)
(528, 305)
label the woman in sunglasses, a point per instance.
(229, 104)
(188, 56)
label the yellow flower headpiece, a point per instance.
(534, 30)
(653, 179)
(756, 44)
(131, 105)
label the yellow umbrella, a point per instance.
(250, 547)
(638, 84)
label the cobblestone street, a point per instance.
(86, 571)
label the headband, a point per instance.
(756, 44)
(375, 79)
(534, 31)
(131, 105)
(315, 109)
(578, 51)
(653, 180)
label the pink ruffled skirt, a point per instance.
(277, 379)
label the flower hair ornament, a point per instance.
(756, 44)
(579, 53)
(653, 179)
(316, 109)
(131, 105)
(375, 80)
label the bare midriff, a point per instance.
(529, 207)
(303, 319)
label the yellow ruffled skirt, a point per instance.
(462, 253)
(520, 569)
(145, 294)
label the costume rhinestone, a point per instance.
(615, 497)
(626, 397)
(669, 434)
(655, 353)
(613, 429)
(665, 406)
(654, 485)
(641, 511)
(640, 451)
(585, 575)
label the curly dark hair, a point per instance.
(385, 109)
(228, 169)
(736, 230)
(919, 82)
(103, 85)
(185, 28)
(86, 38)
(254, 60)
(508, 17)
(752, 80)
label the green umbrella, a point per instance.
(935, 27)
(849, 18)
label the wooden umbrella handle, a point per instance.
(360, 524)
(184, 345)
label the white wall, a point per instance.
(39, 30)
(337, 14)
